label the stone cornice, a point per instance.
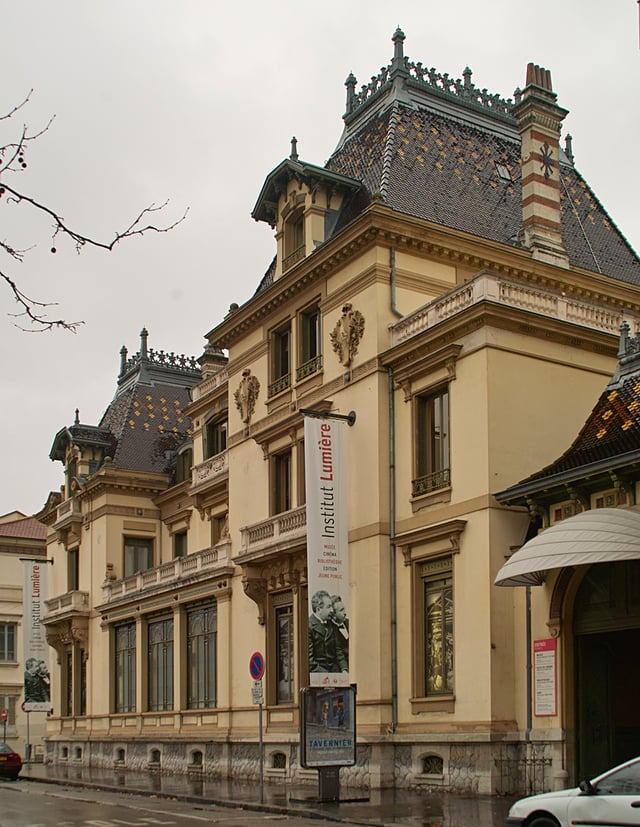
(380, 225)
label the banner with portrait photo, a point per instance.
(37, 680)
(327, 552)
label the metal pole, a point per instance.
(28, 751)
(261, 754)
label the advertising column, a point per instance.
(328, 726)
(37, 681)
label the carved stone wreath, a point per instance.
(346, 335)
(246, 394)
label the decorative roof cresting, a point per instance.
(418, 76)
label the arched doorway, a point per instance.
(606, 626)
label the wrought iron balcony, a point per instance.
(431, 482)
(308, 368)
(280, 384)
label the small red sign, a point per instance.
(3, 715)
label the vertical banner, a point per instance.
(327, 552)
(37, 681)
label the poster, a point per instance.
(328, 733)
(37, 679)
(327, 552)
(544, 675)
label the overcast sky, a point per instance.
(196, 101)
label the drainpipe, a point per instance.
(392, 558)
(393, 603)
(392, 281)
(529, 669)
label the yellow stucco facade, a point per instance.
(469, 364)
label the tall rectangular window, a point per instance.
(284, 654)
(160, 665)
(280, 360)
(215, 438)
(431, 443)
(438, 633)
(83, 682)
(68, 682)
(294, 247)
(180, 544)
(202, 631)
(184, 461)
(309, 359)
(8, 633)
(125, 671)
(138, 555)
(281, 483)
(73, 569)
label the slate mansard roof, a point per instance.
(448, 152)
(145, 423)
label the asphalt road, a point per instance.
(31, 804)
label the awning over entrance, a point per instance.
(597, 536)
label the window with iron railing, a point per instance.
(280, 360)
(432, 460)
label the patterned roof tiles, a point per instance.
(447, 171)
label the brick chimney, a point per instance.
(539, 120)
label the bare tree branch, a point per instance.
(12, 160)
(39, 322)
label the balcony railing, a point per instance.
(210, 470)
(210, 384)
(293, 258)
(68, 512)
(280, 384)
(67, 604)
(308, 368)
(492, 287)
(200, 563)
(431, 482)
(287, 527)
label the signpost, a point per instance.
(256, 670)
(3, 718)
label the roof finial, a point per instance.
(294, 149)
(568, 147)
(76, 421)
(123, 359)
(350, 83)
(398, 41)
(398, 64)
(144, 336)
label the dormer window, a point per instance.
(294, 247)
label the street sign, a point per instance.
(3, 715)
(256, 666)
(257, 695)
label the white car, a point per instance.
(612, 798)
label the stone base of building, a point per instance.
(478, 768)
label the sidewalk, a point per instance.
(379, 808)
